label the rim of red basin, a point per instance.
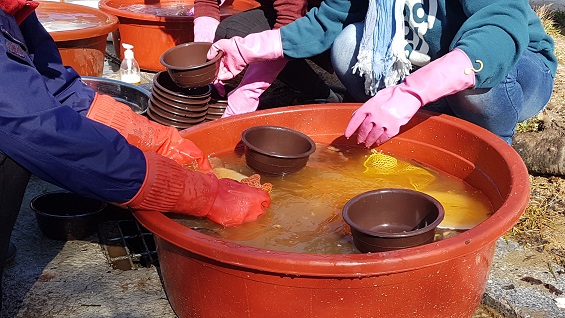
(105, 23)
(113, 7)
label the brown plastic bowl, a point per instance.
(178, 108)
(167, 121)
(188, 66)
(391, 219)
(179, 102)
(67, 216)
(276, 150)
(180, 117)
(163, 83)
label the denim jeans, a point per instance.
(13, 183)
(520, 95)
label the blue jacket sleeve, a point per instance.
(61, 81)
(315, 32)
(43, 125)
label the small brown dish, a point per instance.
(66, 216)
(276, 150)
(390, 219)
(188, 66)
(164, 84)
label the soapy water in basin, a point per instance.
(305, 214)
(55, 22)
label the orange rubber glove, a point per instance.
(145, 134)
(169, 187)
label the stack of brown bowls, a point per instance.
(176, 106)
(216, 109)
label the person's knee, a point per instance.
(345, 48)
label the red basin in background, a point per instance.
(151, 35)
(209, 277)
(80, 33)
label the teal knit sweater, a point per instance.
(495, 32)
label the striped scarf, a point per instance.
(381, 59)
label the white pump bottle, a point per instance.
(129, 69)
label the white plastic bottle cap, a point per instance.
(128, 54)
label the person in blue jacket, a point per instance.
(54, 126)
(487, 61)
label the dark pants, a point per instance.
(297, 74)
(13, 183)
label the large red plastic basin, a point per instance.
(151, 35)
(209, 277)
(83, 45)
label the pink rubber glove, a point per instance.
(239, 52)
(258, 77)
(380, 118)
(205, 29)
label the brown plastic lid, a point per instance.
(67, 21)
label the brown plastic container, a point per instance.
(209, 277)
(151, 34)
(188, 66)
(276, 150)
(80, 33)
(165, 86)
(391, 219)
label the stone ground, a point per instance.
(74, 279)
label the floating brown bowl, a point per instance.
(276, 150)
(390, 219)
(188, 66)
(67, 216)
(164, 84)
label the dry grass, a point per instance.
(542, 227)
